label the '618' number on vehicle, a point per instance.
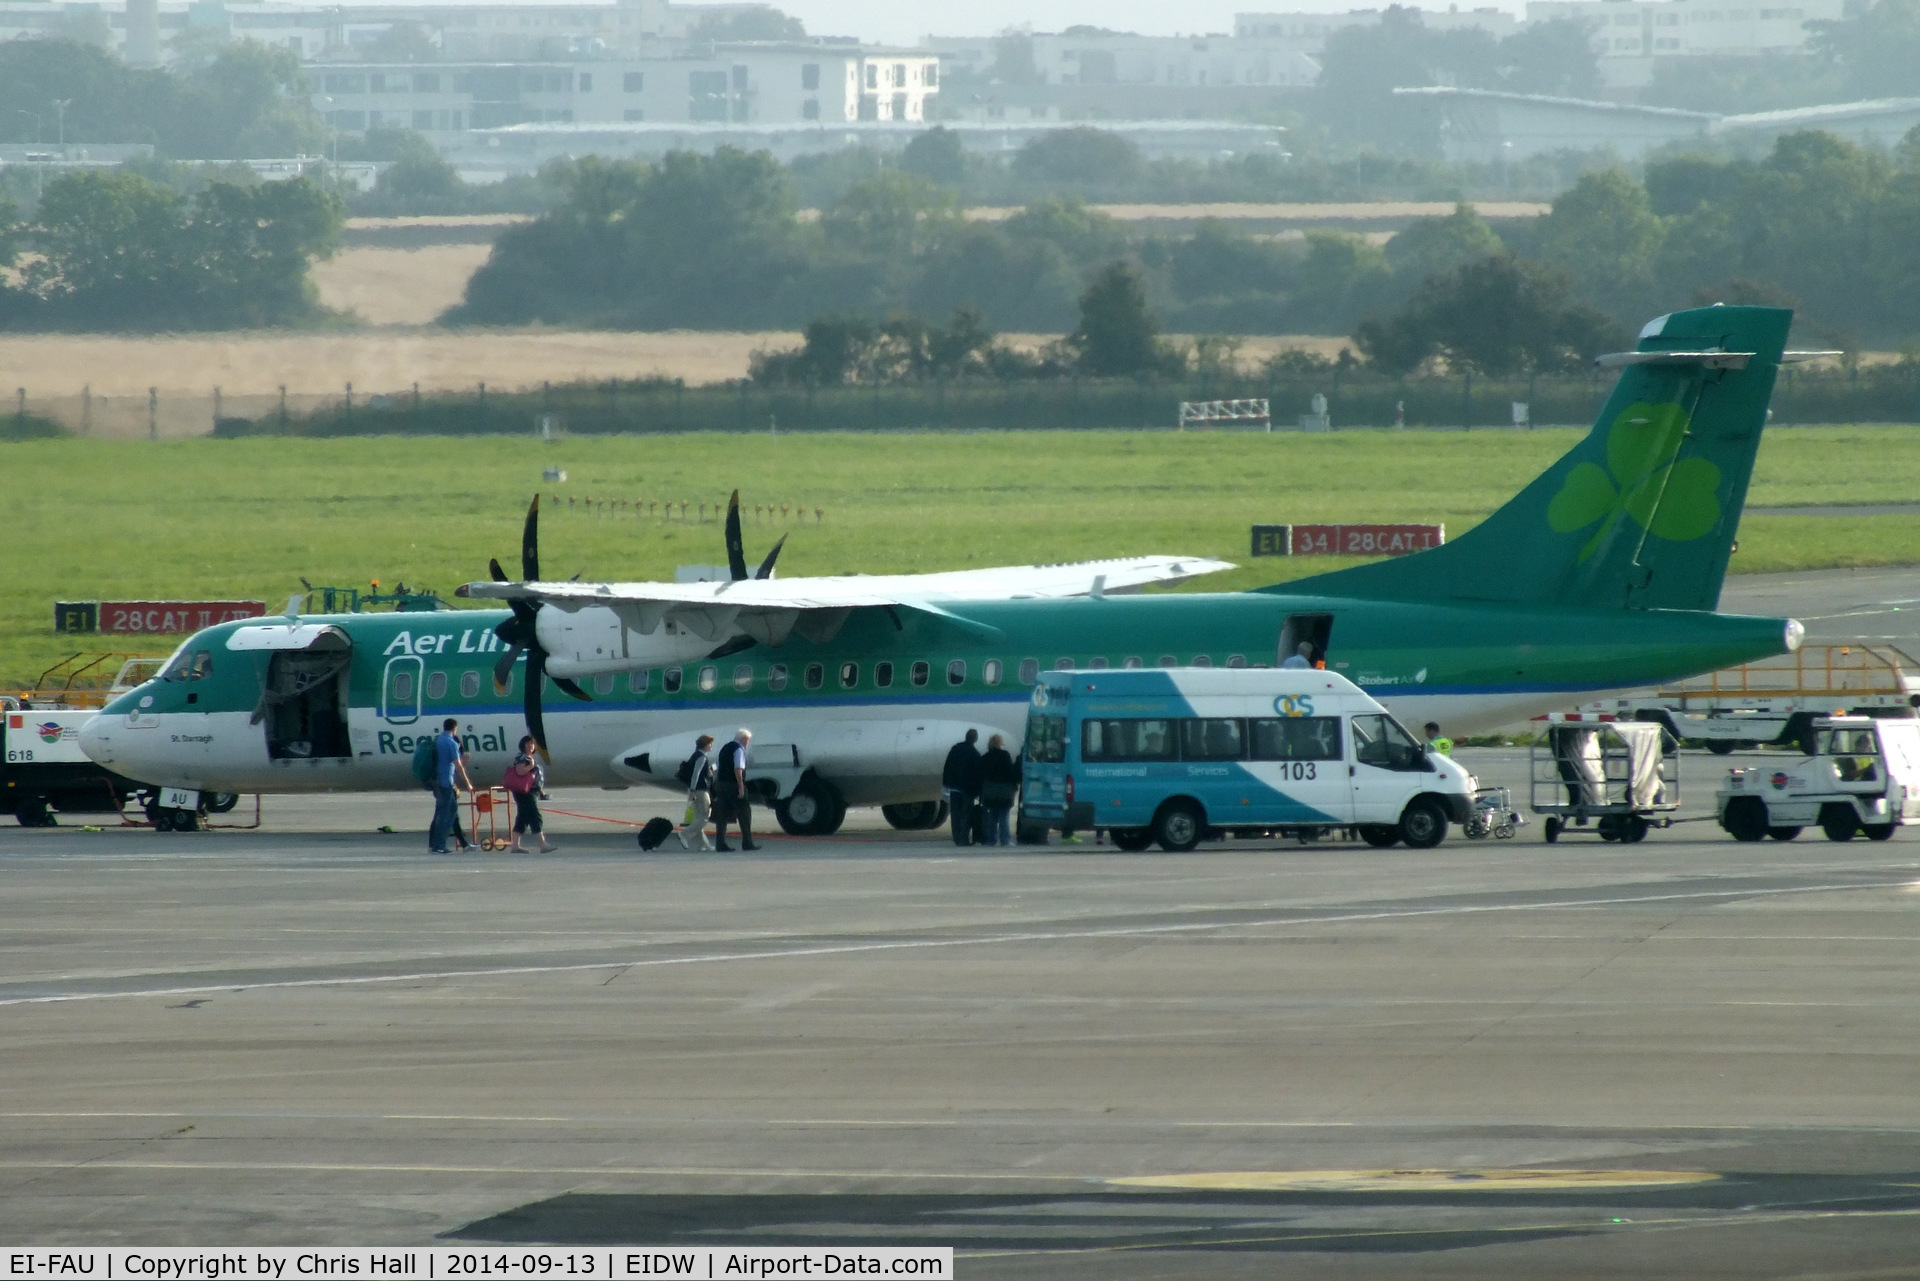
(1297, 769)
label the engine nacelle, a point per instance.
(598, 640)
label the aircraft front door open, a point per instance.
(304, 700)
(1314, 629)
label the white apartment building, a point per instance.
(1309, 31)
(743, 84)
(1630, 35)
(1171, 60)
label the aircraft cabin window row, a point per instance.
(198, 665)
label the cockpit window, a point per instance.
(189, 665)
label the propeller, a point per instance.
(519, 634)
(736, 547)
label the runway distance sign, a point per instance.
(1345, 540)
(173, 617)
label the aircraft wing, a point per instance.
(915, 591)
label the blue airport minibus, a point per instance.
(1173, 754)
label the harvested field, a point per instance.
(398, 286)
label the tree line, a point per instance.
(109, 249)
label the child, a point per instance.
(528, 783)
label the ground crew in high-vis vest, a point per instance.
(1438, 741)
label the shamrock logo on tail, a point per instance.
(1677, 501)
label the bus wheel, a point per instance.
(1746, 819)
(1178, 826)
(1131, 839)
(1380, 835)
(1423, 824)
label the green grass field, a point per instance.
(247, 518)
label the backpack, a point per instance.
(685, 772)
(423, 762)
(656, 831)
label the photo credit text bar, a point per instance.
(359, 1263)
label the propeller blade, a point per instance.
(530, 544)
(530, 698)
(503, 670)
(766, 566)
(499, 574)
(736, 550)
(571, 688)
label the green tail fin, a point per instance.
(1642, 513)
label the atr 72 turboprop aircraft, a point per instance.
(1602, 574)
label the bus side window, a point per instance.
(1213, 739)
(1127, 740)
(1297, 738)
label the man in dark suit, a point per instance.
(961, 778)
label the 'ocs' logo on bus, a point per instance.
(1294, 704)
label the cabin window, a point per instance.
(1127, 740)
(815, 676)
(743, 678)
(670, 680)
(709, 679)
(437, 686)
(603, 685)
(1168, 660)
(883, 674)
(957, 672)
(1236, 660)
(1029, 670)
(637, 681)
(918, 673)
(1201, 660)
(1063, 664)
(849, 675)
(1213, 738)
(469, 684)
(991, 670)
(1133, 662)
(1097, 663)
(777, 677)
(1297, 738)
(402, 687)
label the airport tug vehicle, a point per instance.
(1863, 776)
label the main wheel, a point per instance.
(917, 816)
(1783, 833)
(1839, 822)
(1721, 746)
(1178, 826)
(814, 809)
(1877, 831)
(1746, 819)
(1380, 835)
(33, 811)
(1423, 824)
(1131, 839)
(221, 802)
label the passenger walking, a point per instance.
(699, 772)
(449, 759)
(526, 780)
(961, 778)
(1000, 784)
(730, 793)
(1301, 657)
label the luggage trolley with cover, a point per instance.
(1621, 776)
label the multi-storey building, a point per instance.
(719, 84)
(1631, 35)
